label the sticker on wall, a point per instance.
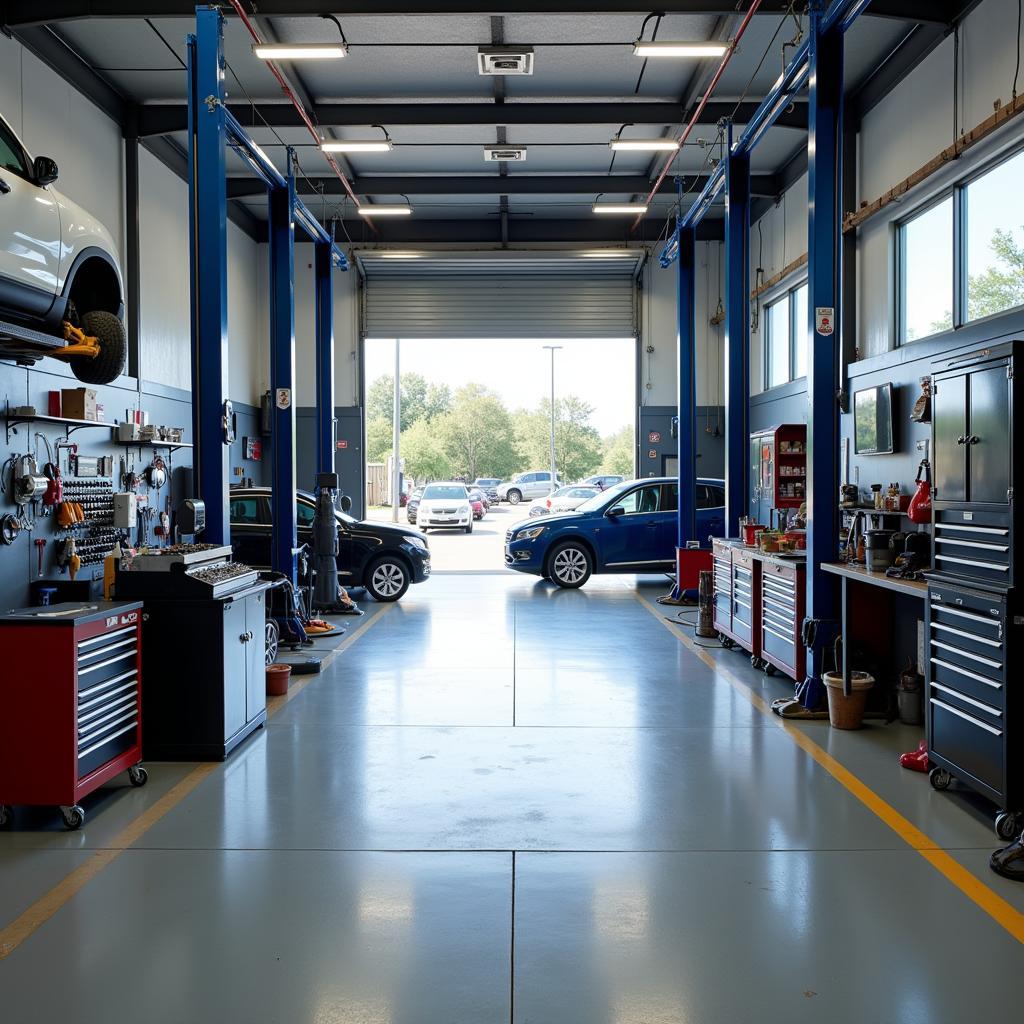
(284, 398)
(652, 454)
(654, 437)
(341, 445)
(825, 320)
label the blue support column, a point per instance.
(208, 261)
(737, 340)
(325, 421)
(824, 248)
(687, 400)
(282, 376)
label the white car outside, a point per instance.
(526, 485)
(565, 499)
(445, 506)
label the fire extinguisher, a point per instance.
(920, 508)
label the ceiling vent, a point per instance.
(500, 154)
(503, 60)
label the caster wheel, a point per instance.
(755, 661)
(939, 778)
(1009, 825)
(137, 775)
(74, 817)
(726, 642)
(769, 670)
(5, 815)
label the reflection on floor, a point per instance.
(504, 802)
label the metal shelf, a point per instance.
(171, 445)
(11, 421)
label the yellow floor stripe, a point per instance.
(1002, 912)
(14, 934)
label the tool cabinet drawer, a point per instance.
(975, 747)
(777, 644)
(974, 545)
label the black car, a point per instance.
(379, 556)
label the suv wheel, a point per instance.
(570, 565)
(109, 364)
(514, 496)
(387, 578)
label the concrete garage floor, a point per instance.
(503, 802)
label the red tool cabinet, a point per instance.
(70, 703)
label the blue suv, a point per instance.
(628, 528)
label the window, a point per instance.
(245, 510)
(926, 272)
(12, 156)
(641, 501)
(962, 258)
(994, 216)
(304, 515)
(785, 338)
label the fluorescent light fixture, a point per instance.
(300, 51)
(384, 210)
(619, 207)
(357, 146)
(645, 48)
(645, 145)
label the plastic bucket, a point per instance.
(847, 712)
(911, 704)
(278, 678)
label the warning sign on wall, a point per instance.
(825, 320)
(342, 445)
(283, 398)
(652, 454)
(654, 437)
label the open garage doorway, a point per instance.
(480, 409)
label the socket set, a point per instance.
(95, 546)
(96, 496)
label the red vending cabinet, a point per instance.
(70, 703)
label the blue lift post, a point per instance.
(208, 263)
(687, 397)
(284, 528)
(211, 128)
(324, 285)
(737, 341)
(824, 250)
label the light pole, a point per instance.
(396, 433)
(554, 475)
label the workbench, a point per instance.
(859, 574)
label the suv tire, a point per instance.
(109, 364)
(570, 565)
(387, 578)
(515, 496)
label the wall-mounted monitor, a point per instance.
(872, 421)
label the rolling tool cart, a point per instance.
(975, 610)
(70, 703)
(205, 636)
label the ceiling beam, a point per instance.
(521, 230)
(164, 118)
(25, 12)
(492, 184)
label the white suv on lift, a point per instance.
(526, 485)
(61, 288)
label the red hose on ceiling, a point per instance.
(726, 57)
(287, 90)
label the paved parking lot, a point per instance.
(483, 550)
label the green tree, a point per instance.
(422, 448)
(578, 447)
(380, 400)
(478, 434)
(1000, 286)
(378, 439)
(438, 401)
(620, 452)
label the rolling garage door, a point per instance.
(500, 294)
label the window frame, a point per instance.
(957, 190)
(787, 295)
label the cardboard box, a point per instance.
(78, 403)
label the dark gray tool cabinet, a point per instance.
(975, 614)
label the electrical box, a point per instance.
(125, 510)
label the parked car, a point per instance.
(477, 502)
(489, 485)
(602, 482)
(565, 499)
(413, 504)
(526, 485)
(445, 506)
(383, 557)
(630, 527)
(61, 290)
